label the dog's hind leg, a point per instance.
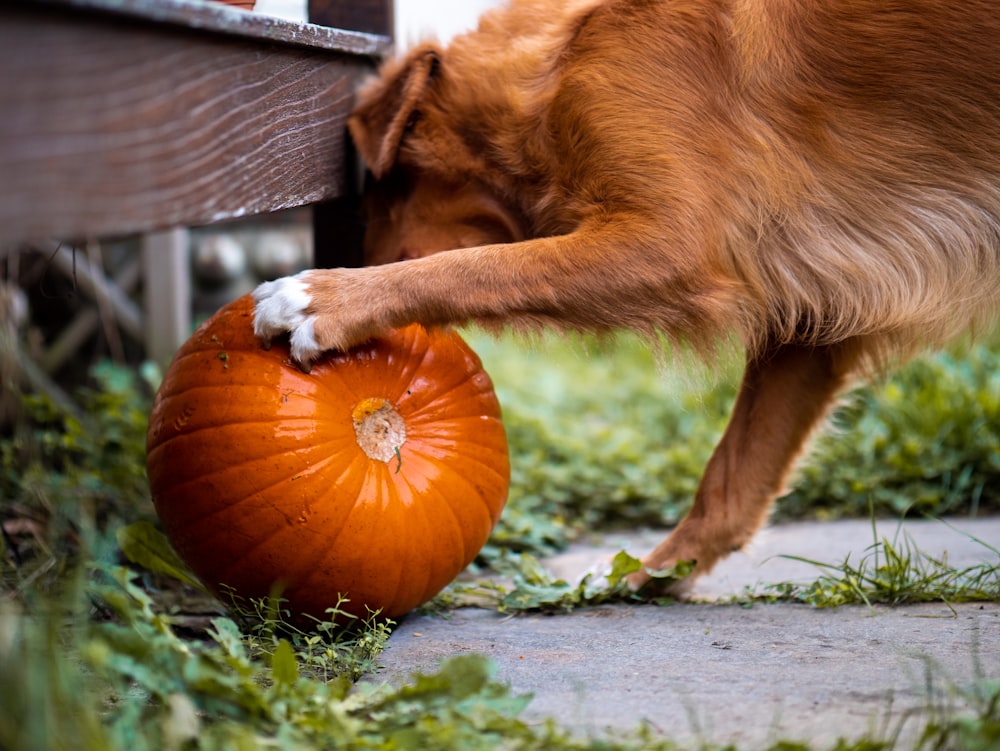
(786, 392)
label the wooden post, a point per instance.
(168, 292)
(338, 227)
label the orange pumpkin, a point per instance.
(378, 475)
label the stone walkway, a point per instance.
(728, 674)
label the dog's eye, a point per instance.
(413, 119)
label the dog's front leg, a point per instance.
(573, 281)
(784, 395)
(335, 309)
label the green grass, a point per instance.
(894, 572)
(600, 441)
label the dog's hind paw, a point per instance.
(280, 306)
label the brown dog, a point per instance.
(820, 179)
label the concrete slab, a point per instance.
(724, 673)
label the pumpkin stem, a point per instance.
(380, 430)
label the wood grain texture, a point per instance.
(111, 124)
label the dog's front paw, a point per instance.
(283, 306)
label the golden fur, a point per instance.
(821, 179)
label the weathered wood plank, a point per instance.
(111, 123)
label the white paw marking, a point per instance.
(305, 349)
(280, 306)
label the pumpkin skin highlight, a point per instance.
(260, 480)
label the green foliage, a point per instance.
(926, 440)
(341, 645)
(976, 729)
(599, 437)
(536, 589)
(608, 438)
(132, 682)
(956, 716)
(894, 572)
(81, 477)
(100, 458)
(146, 546)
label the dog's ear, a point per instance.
(385, 108)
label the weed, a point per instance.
(533, 588)
(893, 572)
